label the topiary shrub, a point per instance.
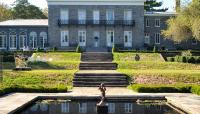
(198, 60)
(191, 60)
(114, 49)
(178, 59)
(184, 59)
(78, 49)
(55, 49)
(195, 89)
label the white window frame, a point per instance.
(63, 41)
(65, 107)
(82, 16)
(126, 13)
(147, 22)
(109, 43)
(10, 37)
(157, 22)
(111, 108)
(109, 20)
(34, 39)
(147, 38)
(82, 41)
(43, 37)
(157, 38)
(64, 14)
(24, 39)
(4, 40)
(83, 108)
(128, 107)
(96, 16)
(129, 38)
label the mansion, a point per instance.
(93, 25)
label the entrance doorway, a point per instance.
(96, 39)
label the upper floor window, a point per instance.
(128, 107)
(82, 16)
(110, 16)
(2, 40)
(157, 22)
(157, 38)
(127, 15)
(96, 16)
(64, 14)
(147, 23)
(146, 38)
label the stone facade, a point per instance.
(26, 31)
(55, 29)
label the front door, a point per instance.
(128, 38)
(96, 39)
(82, 38)
(110, 38)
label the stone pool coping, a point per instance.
(188, 102)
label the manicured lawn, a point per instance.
(36, 81)
(51, 60)
(152, 74)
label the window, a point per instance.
(157, 38)
(128, 38)
(96, 17)
(43, 39)
(33, 40)
(128, 108)
(110, 16)
(65, 107)
(82, 16)
(82, 107)
(13, 40)
(128, 17)
(146, 38)
(64, 38)
(194, 41)
(82, 38)
(147, 23)
(22, 40)
(64, 16)
(111, 107)
(2, 40)
(157, 22)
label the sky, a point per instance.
(43, 3)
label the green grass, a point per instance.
(126, 57)
(36, 81)
(53, 60)
(152, 74)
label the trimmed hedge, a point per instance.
(184, 59)
(166, 89)
(32, 89)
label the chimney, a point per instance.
(178, 5)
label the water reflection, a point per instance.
(89, 107)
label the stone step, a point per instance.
(97, 83)
(97, 68)
(82, 85)
(96, 56)
(100, 76)
(98, 64)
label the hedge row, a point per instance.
(166, 89)
(32, 89)
(184, 59)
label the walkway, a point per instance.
(188, 102)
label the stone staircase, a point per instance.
(97, 68)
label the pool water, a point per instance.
(89, 107)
